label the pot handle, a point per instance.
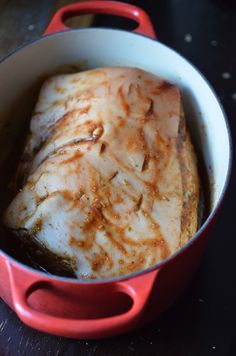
(102, 7)
(137, 288)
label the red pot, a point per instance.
(98, 309)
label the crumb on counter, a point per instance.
(214, 43)
(188, 38)
(226, 75)
(31, 27)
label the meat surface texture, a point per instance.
(109, 178)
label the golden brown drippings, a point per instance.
(102, 148)
(106, 256)
(113, 175)
(136, 264)
(37, 227)
(124, 103)
(139, 202)
(85, 245)
(138, 91)
(97, 261)
(75, 242)
(75, 157)
(59, 89)
(115, 242)
(164, 86)
(150, 109)
(145, 163)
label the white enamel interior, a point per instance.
(106, 47)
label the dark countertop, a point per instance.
(203, 321)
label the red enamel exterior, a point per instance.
(71, 308)
(93, 310)
(102, 7)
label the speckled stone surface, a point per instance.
(202, 322)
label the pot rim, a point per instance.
(203, 227)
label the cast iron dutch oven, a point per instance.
(102, 308)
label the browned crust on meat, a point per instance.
(190, 181)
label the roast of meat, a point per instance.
(109, 183)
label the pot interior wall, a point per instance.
(22, 74)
